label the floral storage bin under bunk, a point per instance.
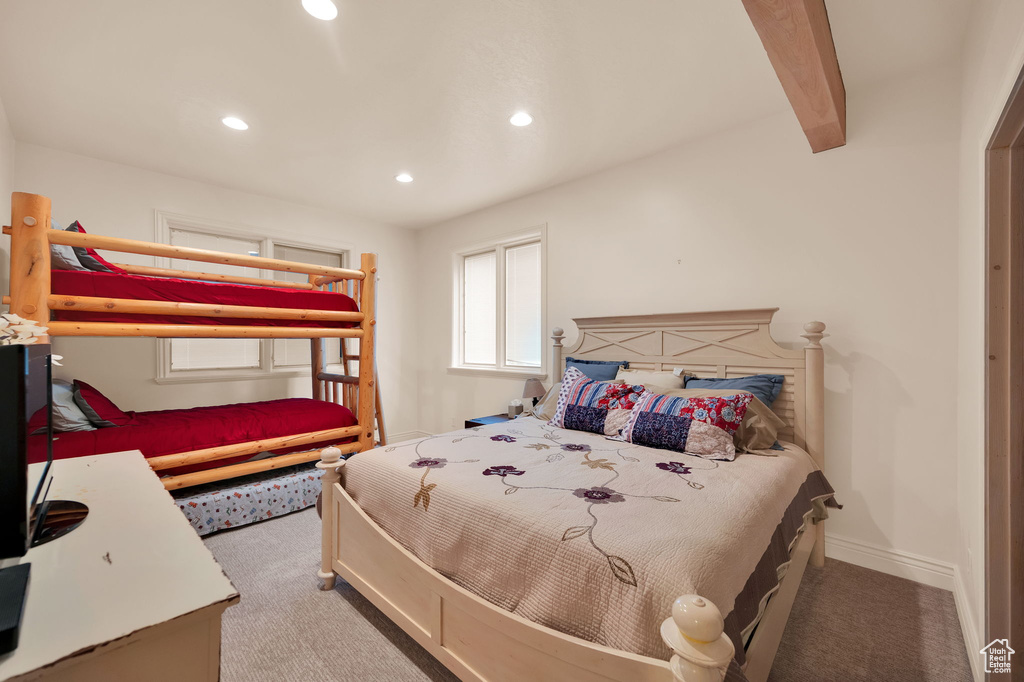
(228, 504)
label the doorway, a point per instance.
(1004, 374)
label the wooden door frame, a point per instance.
(1004, 374)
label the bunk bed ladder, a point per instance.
(345, 392)
(346, 359)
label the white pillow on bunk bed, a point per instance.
(67, 415)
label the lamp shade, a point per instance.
(533, 388)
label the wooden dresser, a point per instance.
(132, 594)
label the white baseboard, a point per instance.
(892, 561)
(972, 638)
(407, 435)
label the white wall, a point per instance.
(863, 238)
(6, 186)
(120, 201)
(993, 56)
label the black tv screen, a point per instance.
(25, 398)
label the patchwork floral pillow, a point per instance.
(698, 426)
(596, 406)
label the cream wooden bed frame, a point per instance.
(479, 641)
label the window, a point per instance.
(499, 306)
(219, 359)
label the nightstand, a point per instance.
(483, 421)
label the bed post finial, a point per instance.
(815, 331)
(695, 633)
(814, 356)
(330, 462)
(557, 334)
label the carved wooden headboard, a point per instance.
(727, 343)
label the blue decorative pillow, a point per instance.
(696, 426)
(599, 370)
(596, 406)
(765, 386)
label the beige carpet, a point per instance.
(849, 624)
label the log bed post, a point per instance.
(316, 355)
(330, 462)
(367, 379)
(695, 633)
(815, 359)
(30, 258)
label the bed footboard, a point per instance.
(481, 642)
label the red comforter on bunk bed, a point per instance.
(171, 431)
(137, 287)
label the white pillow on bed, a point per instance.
(649, 378)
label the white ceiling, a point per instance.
(336, 109)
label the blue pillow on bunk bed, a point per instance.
(598, 370)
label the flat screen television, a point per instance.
(25, 400)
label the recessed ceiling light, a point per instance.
(236, 123)
(403, 177)
(521, 118)
(321, 9)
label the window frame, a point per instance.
(165, 223)
(498, 246)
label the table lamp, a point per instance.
(533, 390)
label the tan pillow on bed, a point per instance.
(760, 427)
(545, 408)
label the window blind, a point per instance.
(295, 352)
(523, 305)
(192, 354)
(480, 286)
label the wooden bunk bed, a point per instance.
(33, 296)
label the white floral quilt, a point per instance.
(592, 537)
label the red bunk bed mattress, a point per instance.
(137, 287)
(171, 431)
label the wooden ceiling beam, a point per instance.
(797, 37)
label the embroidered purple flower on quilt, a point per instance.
(423, 462)
(504, 438)
(674, 467)
(598, 495)
(503, 471)
(576, 447)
